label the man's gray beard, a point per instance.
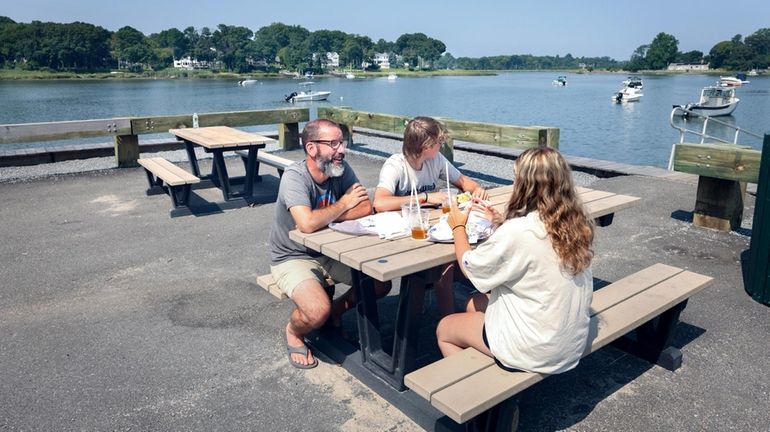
(329, 168)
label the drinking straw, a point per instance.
(448, 193)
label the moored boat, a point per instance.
(634, 82)
(733, 81)
(247, 82)
(714, 101)
(392, 77)
(627, 94)
(560, 81)
(306, 94)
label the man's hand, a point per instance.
(354, 196)
(480, 193)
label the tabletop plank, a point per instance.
(355, 258)
(410, 261)
(220, 137)
(610, 204)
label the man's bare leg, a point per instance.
(311, 312)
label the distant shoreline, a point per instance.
(18, 75)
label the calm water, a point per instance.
(591, 125)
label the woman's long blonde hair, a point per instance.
(543, 182)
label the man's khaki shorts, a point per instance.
(291, 273)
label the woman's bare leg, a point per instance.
(459, 331)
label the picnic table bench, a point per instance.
(169, 178)
(275, 161)
(469, 386)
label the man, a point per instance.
(313, 193)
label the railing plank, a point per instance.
(50, 131)
(161, 124)
(723, 161)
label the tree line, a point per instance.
(752, 52)
(81, 46)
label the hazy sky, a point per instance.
(588, 28)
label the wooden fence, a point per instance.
(126, 130)
(520, 137)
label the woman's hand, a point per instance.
(457, 217)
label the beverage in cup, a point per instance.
(418, 222)
(448, 202)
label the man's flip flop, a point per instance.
(303, 351)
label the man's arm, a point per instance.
(354, 202)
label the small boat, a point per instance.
(633, 82)
(627, 94)
(349, 76)
(561, 81)
(392, 77)
(247, 82)
(753, 72)
(736, 81)
(306, 94)
(308, 75)
(714, 101)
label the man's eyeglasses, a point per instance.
(334, 144)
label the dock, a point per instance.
(114, 316)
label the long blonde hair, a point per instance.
(543, 182)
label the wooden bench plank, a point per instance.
(171, 174)
(479, 392)
(427, 381)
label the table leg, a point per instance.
(193, 159)
(251, 171)
(221, 172)
(391, 367)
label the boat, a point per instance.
(736, 81)
(753, 72)
(392, 77)
(247, 82)
(634, 82)
(306, 93)
(561, 81)
(627, 94)
(349, 75)
(309, 75)
(714, 101)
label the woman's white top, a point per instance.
(538, 315)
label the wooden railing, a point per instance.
(520, 137)
(126, 130)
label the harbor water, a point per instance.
(590, 124)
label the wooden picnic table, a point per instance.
(217, 140)
(418, 264)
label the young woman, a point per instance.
(421, 164)
(533, 273)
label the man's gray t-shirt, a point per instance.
(397, 176)
(298, 189)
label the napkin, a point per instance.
(387, 225)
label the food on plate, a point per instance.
(463, 197)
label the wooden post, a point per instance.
(126, 150)
(718, 204)
(758, 284)
(288, 136)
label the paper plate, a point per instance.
(478, 229)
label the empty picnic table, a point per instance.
(217, 140)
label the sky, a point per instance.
(588, 28)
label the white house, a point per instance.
(332, 59)
(688, 67)
(187, 63)
(382, 60)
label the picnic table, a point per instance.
(418, 264)
(217, 140)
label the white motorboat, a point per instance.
(306, 93)
(560, 81)
(714, 101)
(633, 81)
(392, 77)
(350, 76)
(736, 81)
(247, 82)
(627, 94)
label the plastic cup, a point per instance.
(418, 222)
(451, 200)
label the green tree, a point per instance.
(232, 45)
(638, 59)
(759, 44)
(413, 46)
(662, 51)
(131, 47)
(694, 56)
